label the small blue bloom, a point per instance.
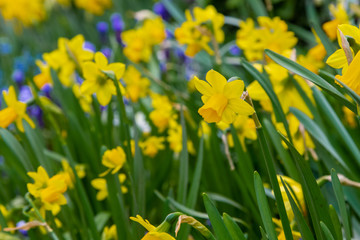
(107, 52)
(161, 10)
(18, 76)
(234, 50)
(46, 89)
(5, 48)
(22, 231)
(89, 46)
(117, 22)
(102, 28)
(25, 93)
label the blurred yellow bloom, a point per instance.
(139, 42)
(340, 17)
(313, 60)
(136, 85)
(201, 30)
(44, 77)
(349, 117)
(152, 145)
(163, 111)
(96, 7)
(14, 112)
(24, 11)
(153, 232)
(69, 56)
(114, 159)
(109, 233)
(100, 185)
(204, 129)
(85, 100)
(245, 129)
(68, 174)
(222, 99)
(280, 230)
(97, 79)
(272, 34)
(49, 190)
(175, 138)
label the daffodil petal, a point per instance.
(203, 87)
(240, 106)
(234, 89)
(216, 80)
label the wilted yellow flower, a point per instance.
(153, 232)
(136, 85)
(49, 190)
(272, 34)
(152, 145)
(201, 30)
(100, 185)
(97, 78)
(69, 56)
(222, 99)
(14, 112)
(96, 7)
(114, 159)
(340, 17)
(139, 42)
(84, 99)
(163, 111)
(109, 233)
(24, 11)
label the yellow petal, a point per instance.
(101, 60)
(104, 96)
(203, 87)
(234, 89)
(337, 59)
(351, 31)
(240, 106)
(216, 80)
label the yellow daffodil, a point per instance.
(109, 233)
(200, 30)
(280, 230)
(136, 85)
(163, 111)
(352, 75)
(153, 232)
(100, 185)
(49, 190)
(245, 129)
(26, 12)
(97, 78)
(96, 7)
(272, 34)
(44, 77)
(84, 99)
(222, 99)
(69, 56)
(139, 42)
(114, 159)
(340, 17)
(14, 112)
(68, 174)
(298, 197)
(152, 145)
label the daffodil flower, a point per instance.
(153, 232)
(114, 159)
(97, 78)
(14, 112)
(222, 99)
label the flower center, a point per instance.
(213, 109)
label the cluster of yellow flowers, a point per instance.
(24, 11)
(198, 31)
(140, 41)
(136, 85)
(96, 7)
(272, 34)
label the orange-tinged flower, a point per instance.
(14, 112)
(222, 99)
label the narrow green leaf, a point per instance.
(315, 200)
(100, 219)
(307, 74)
(326, 231)
(219, 198)
(305, 231)
(215, 218)
(341, 201)
(184, 163)
(139, 176)
(264, 207)
(336, 222)
(174, 11)
(234, 230)
(258, 7)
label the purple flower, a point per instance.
(107, 52)
(25, 94)
(117, 22)
(102, 28)
(161, 10)
(46, 89)
(18, 76)
(89, 46)
(234, 50)
(19, 224)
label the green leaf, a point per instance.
(318, 134)
(264, 207)
(305, 231)
(316, 202)
(174, 11)
(234, 230)
(336, 222)
(307, 74)
(341, 201)
(220, 229)
(326, 231)
(219, 198)
(184, 163)
(258, 7)
(100, 219)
